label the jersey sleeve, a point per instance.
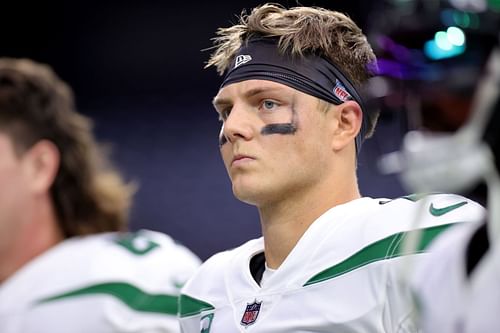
(430, 217)
(203, 293)
(164, 266)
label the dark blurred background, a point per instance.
(137, 69)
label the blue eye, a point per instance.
(268, 105)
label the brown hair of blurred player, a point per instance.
(88, 195)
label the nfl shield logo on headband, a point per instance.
(242, 59)
(340, 91)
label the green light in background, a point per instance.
(462, 19)
(494, 5)
(474, 20)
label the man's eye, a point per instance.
(223, 114)
(269, 105)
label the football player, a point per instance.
(293, 122)
(67, 263)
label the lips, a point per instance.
(241, 159)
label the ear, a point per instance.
(41, 163)
(349, 117)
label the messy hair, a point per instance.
(300, 31)
(89, 196)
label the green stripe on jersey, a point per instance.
(386, 248)
(189, 306)
(132, 296)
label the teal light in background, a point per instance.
(455, 36)
(434, 52)
(446, 44)
(442, 41)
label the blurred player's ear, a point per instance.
(349, 117)
(41, 165)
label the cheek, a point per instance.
(225, 152)
(299, 150)
(13, 197)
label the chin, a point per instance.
(248, 194)
(256, 196)
(244, 196)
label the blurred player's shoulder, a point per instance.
(462, 258)
(131, 279)
(148, 249)
(143, 257)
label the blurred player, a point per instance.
(292, 125)
(66, 262)
(444, 57)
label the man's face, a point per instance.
(274, 141)
(13, 191)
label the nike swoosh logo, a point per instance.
(444, 210)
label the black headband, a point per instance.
(311, 74)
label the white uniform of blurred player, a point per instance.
(66, 264)
(111, 282)
(458, 289)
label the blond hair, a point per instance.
(301, 31)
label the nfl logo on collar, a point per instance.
(251, 313)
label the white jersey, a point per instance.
(457, 297)
(342, 275)
(112, 282)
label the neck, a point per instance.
(285, 222)
(36, 233)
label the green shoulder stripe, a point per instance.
(132, 296)
(189, 306)
(386, 248)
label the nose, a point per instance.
(237, 125)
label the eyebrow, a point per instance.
(221, 102)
